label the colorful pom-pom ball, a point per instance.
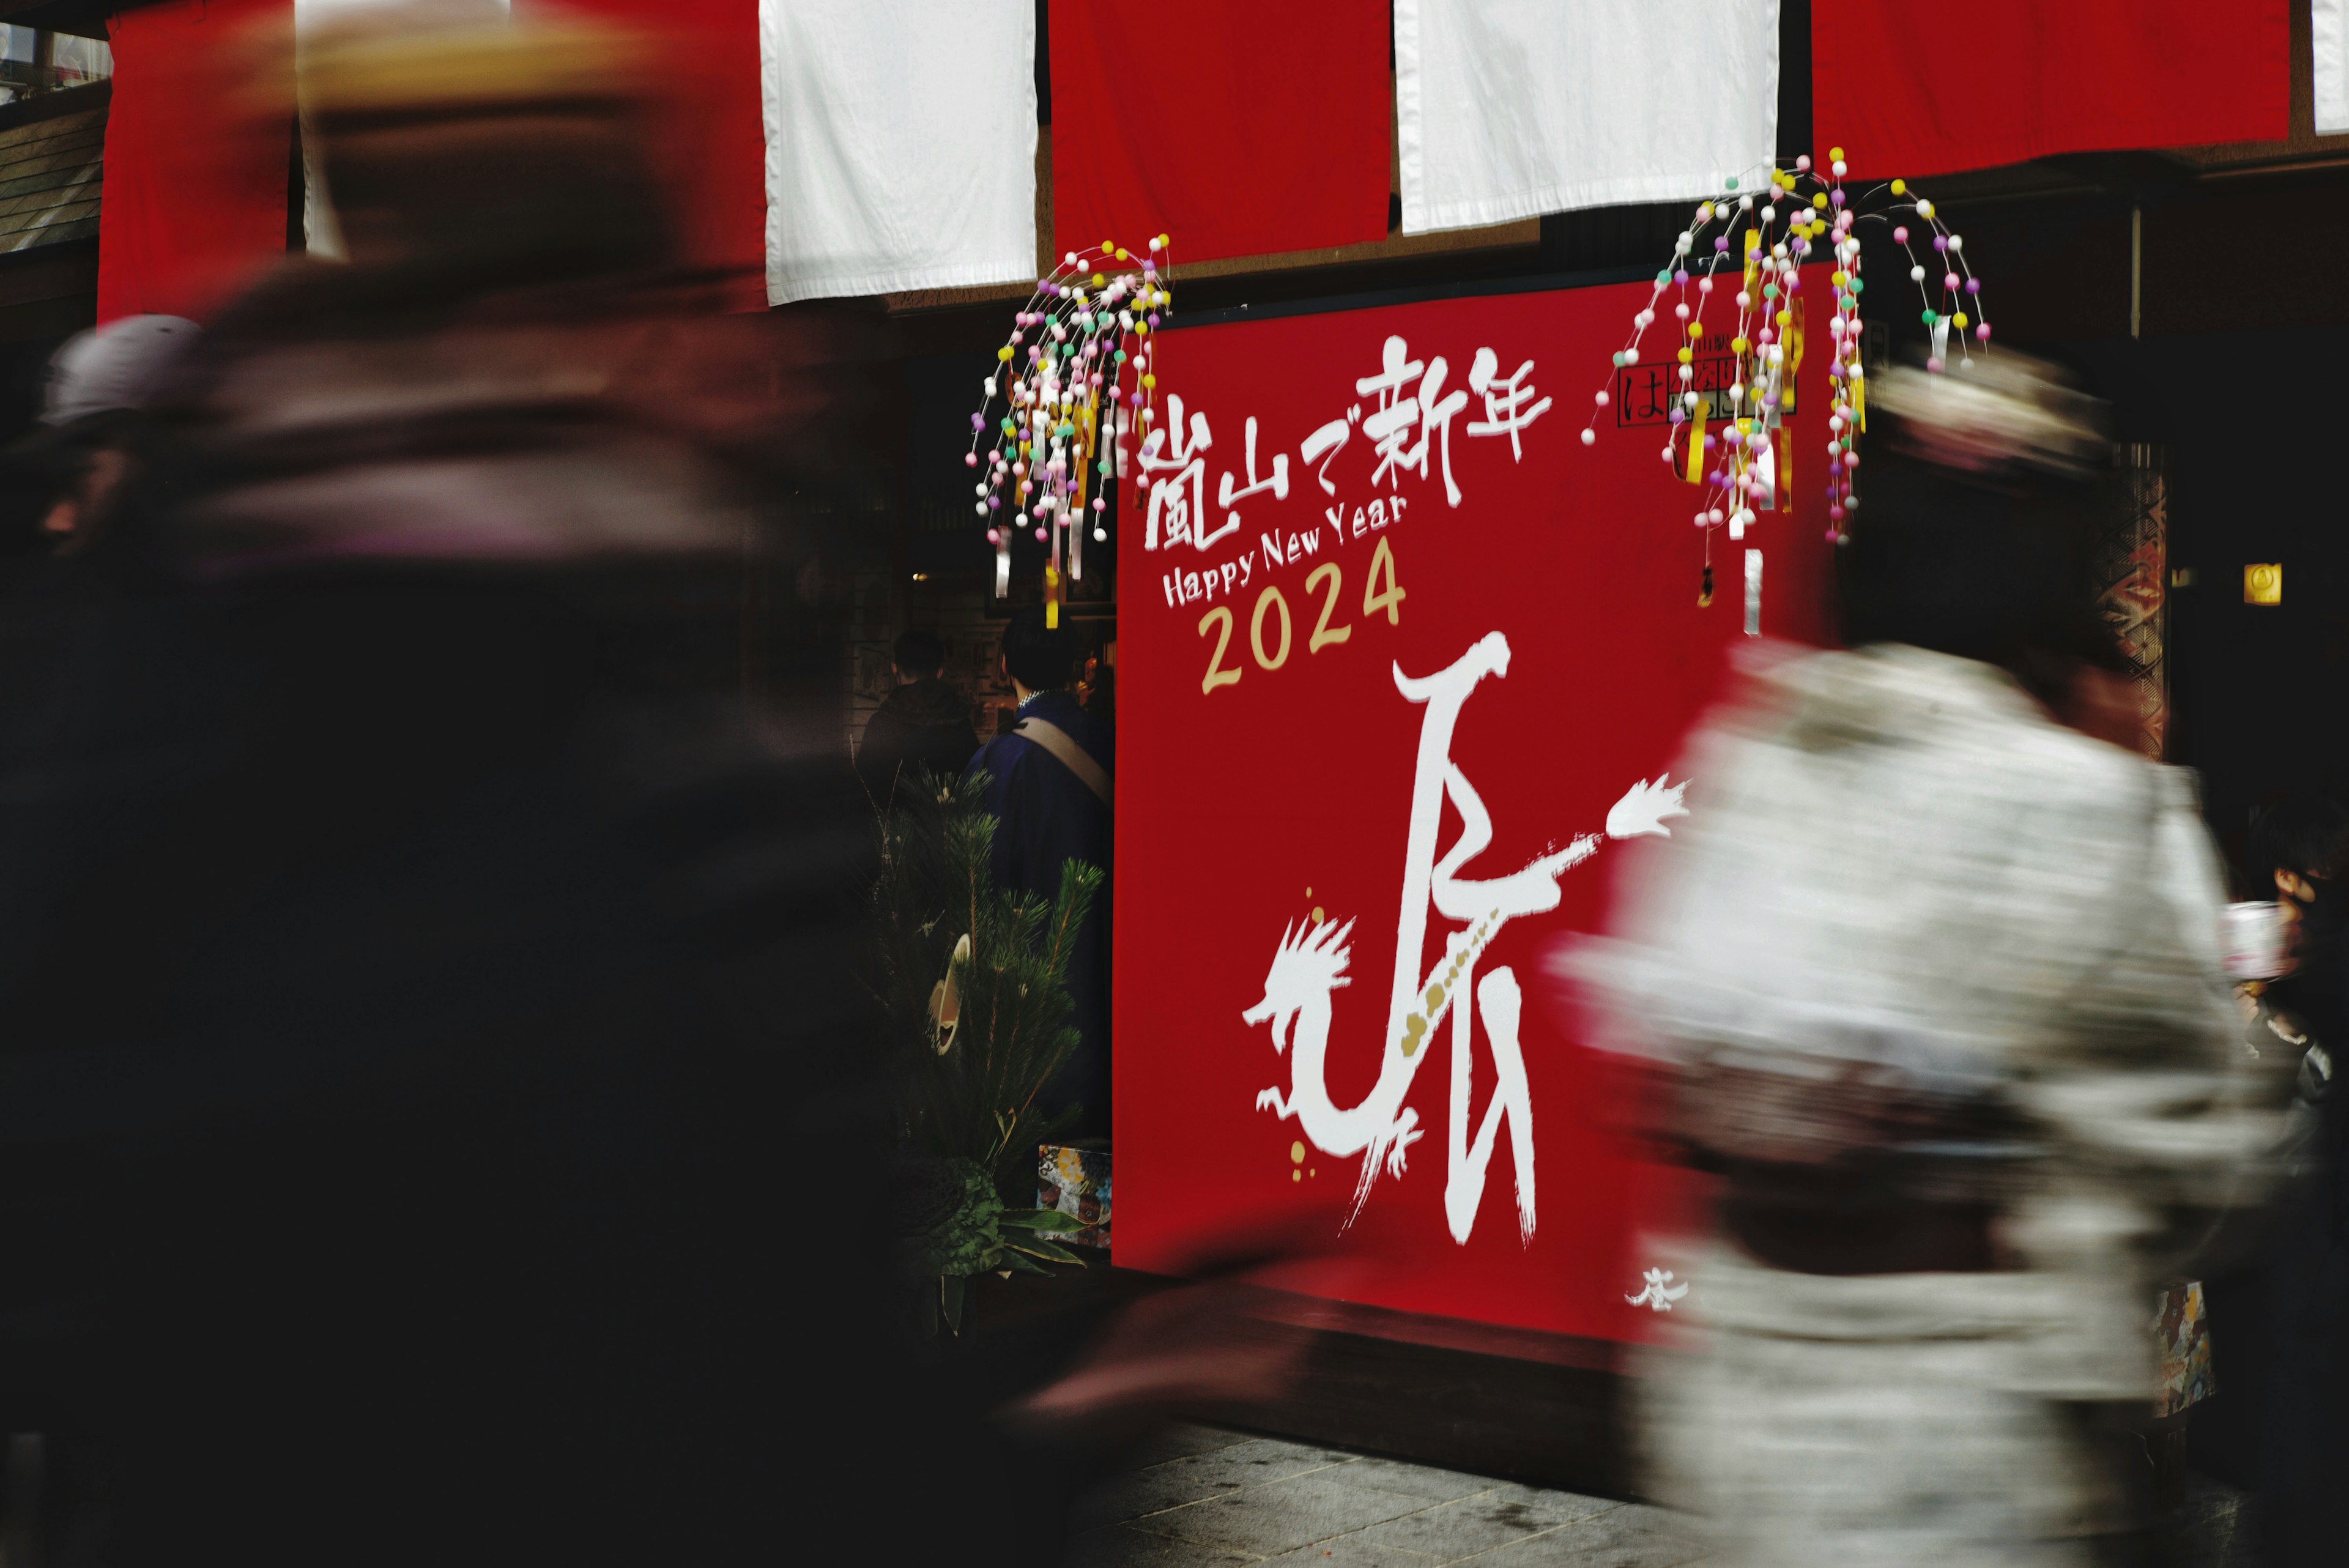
(1803, 163)
(1981, 333)
(1589, 437)
(1901, 233)
(970, 459)
(1602, 399)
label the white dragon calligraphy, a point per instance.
(1310, 963)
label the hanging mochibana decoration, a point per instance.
(1078, 363)
(1731, 392)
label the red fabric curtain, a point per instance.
(1240, 127)
(193, 204)
(1910, 88)
(707, 137)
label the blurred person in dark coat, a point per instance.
(427, 1031)
(923, 726)
(1050, 783)
(2279, 1320)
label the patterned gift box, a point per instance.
(1076, 1183)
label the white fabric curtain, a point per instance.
(901, 144)
(2332, 51)
(1509, 109)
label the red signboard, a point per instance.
(1402, 665)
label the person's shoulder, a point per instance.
(1065, 712)
(998, 755)
(929, 704)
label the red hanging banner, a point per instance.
(1240, 129)
(705, 136)
(196, 163)
(1404, 664)
(1910, 88)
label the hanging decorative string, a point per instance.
(1732, 378)
(1077, 366)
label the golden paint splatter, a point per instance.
(1310, 1172)
(1317, 914)
(1297, 1153)
(1295, 1176)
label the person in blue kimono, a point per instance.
(1048, 786)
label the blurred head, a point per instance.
(76, 462)
(1983, 491)
(453, 138)
(917, 655)
(1036, 655)
(2294, 845)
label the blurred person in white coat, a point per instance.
(1931, 981)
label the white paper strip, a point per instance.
(901, 144)
(1752, 593)
(1510, 108)
(2326, 30)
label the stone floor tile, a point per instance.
(1252, 1461)
(1629, 1536)
(1348, 1552)
(1182, 1440)
(1411, 1479)
(1453, 1530)
(1264, 1520)
(1117, 1547)
(1552, 1501)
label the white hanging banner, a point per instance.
(901, 145)
(1506, 111)
(2325, 34)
